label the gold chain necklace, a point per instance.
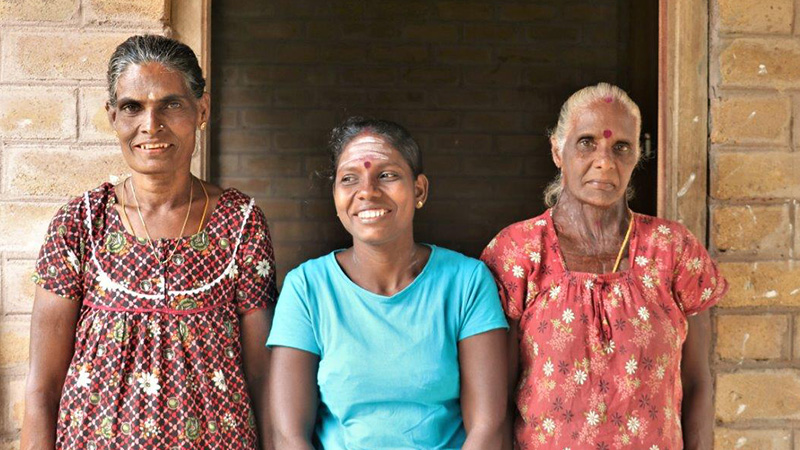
(141, 217)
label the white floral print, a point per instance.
(149, 383)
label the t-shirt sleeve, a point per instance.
(255, 263)
(697, 282)
(481, 311)
(501, 257)
(292, 325)
(59, 268)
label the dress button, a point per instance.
(177, 260)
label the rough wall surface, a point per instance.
(754, 189)
(54, 142)
(476, 82)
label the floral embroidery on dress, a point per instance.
(599, 354)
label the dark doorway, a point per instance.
(478, 84)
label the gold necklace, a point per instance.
(185, 220)
(624, 243)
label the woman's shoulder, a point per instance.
(313, 269)
(519, 233)
(445, 259)
(652, 227)
(77, 207)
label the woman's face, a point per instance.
(600, 152)
(375, 191)
(155, 119)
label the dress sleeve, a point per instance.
(255, 261)
(502, 258)
(292, 325)
(59, 268)
(697, 282)
(482, 311)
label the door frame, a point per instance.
(683, 113)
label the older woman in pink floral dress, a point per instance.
(154, 296)
(608, 308)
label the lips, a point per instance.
(602, 185)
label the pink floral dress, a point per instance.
(157, 362)
(600, 354)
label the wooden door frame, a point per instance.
(190, 23)
(683, 113)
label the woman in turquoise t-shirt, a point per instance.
(389, 343)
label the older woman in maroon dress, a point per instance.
(154, 296)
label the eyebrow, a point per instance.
(166, 99)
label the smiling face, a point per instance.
(155, 119)
(600, 152)
(375, 191)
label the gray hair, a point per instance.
(582, 98)
(159, 49)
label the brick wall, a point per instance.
(476, 82)
(55, 142)
(755, 188)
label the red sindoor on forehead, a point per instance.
(367, 164)
(608, 99)
(607, 133)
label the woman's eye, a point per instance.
(129, 107)
(174, 105)
(585, 142)
(388, 175)
(347, 179)
(622, 148)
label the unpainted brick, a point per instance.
(751, 120)
(758, 395)
(743, 175)
(254, 187)
(374, 76)
(37, 113)
(38, 10)
(751, 16)
(490, 32)
(762, 230)
(765, 283)
(796, 344)
(736, 439)
(401, 53)
(14, 341)
(525, 12)
(58, 56)
(278, 209)
(18, 289)
(39, 170)
(431, 76)
(12, 391)
(464, 11)
(464, 55)
(267, 165)
(35, 216)
(761, 337)
(462, 143)
(93, 117)
(152, 12)
(760, 63)
(431, 32)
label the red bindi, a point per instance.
(367, 164)
(607, 133)
(608, 99)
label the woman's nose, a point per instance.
(368, 188)
(150, 122)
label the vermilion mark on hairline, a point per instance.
(607, 133)
(367, 164)
(608, 99)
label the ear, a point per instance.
(555, 152)
(111, 112)
(421, 189)
(203, 108)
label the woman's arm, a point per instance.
(255, 357)
(293, 397)
(513, 375)
(697, 412)
(484, 391)
(52, 345)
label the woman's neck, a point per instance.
(384, 269)
(600, 229)
(161, 192)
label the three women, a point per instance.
(155, 301)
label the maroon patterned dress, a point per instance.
(157, 360)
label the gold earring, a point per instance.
(202, 126)
(419, 204)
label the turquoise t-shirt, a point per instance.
(388, 372)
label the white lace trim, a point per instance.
(108, 284)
